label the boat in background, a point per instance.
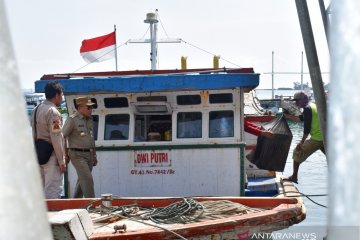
(32, 100)
(301, 86)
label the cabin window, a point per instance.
(93, 100)
(116, 102)
(151, 108)
(152, 99)
(117, 127)
(188, 99)
(95, 119)
(152, 128)
(189, 125)
(221, 98)
(221, 124)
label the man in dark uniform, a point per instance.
(48, 127)
(78, 131)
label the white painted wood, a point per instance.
(196, 172)
(210, 171)
(71, 224)
(23, 211)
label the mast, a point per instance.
(272, 75)
(302, 71)
(152, 19)
(116, 63)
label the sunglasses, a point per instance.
(88, 107)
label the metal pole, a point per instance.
(116, 64)
(344, 128)
(313, 63)
(152, 46)
(23, 209)
(155, 46)
(324, 19)
(272, 75)
(302, 71)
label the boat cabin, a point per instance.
(164, 134)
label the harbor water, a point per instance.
(312, 178)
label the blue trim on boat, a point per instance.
(133, 84)
(261, 187)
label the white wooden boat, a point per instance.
(200, 149)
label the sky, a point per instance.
(47, 36)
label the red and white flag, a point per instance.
(98, 49)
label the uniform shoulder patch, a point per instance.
(56, 124)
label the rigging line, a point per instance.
(210, 53)
(147, 30)
(292, 73)
(162, 26)
(307, 196)
(101, 56)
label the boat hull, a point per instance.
(279, 213)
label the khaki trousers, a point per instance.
(52, 178)
(83, 163)
(309, 147)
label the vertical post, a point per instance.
(324, 19)
(243, 145)
(302, 71)
(272, 75)
(183, 62)
(216, 62)
(152, 47)
(116, 64)
(313, 63)
(23, 209)
(155, 60)
(344, 128)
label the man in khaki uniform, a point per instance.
(48, 127)
(78, 130)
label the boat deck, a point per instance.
(164, 218)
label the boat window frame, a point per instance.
(164, 105)
(190, 98)
(221, 102)
(233, 124)
(114, 97)
(176, 125)
(127, 136)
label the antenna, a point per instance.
(152, 19)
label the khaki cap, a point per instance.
(83, 101)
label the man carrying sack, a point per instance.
(46, 127)
(78, 130)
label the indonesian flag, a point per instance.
(98, 49)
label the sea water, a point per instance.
(312, 179)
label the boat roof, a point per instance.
(153, 80)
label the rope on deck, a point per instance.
(186, 211)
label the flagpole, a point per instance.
(116, 65)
